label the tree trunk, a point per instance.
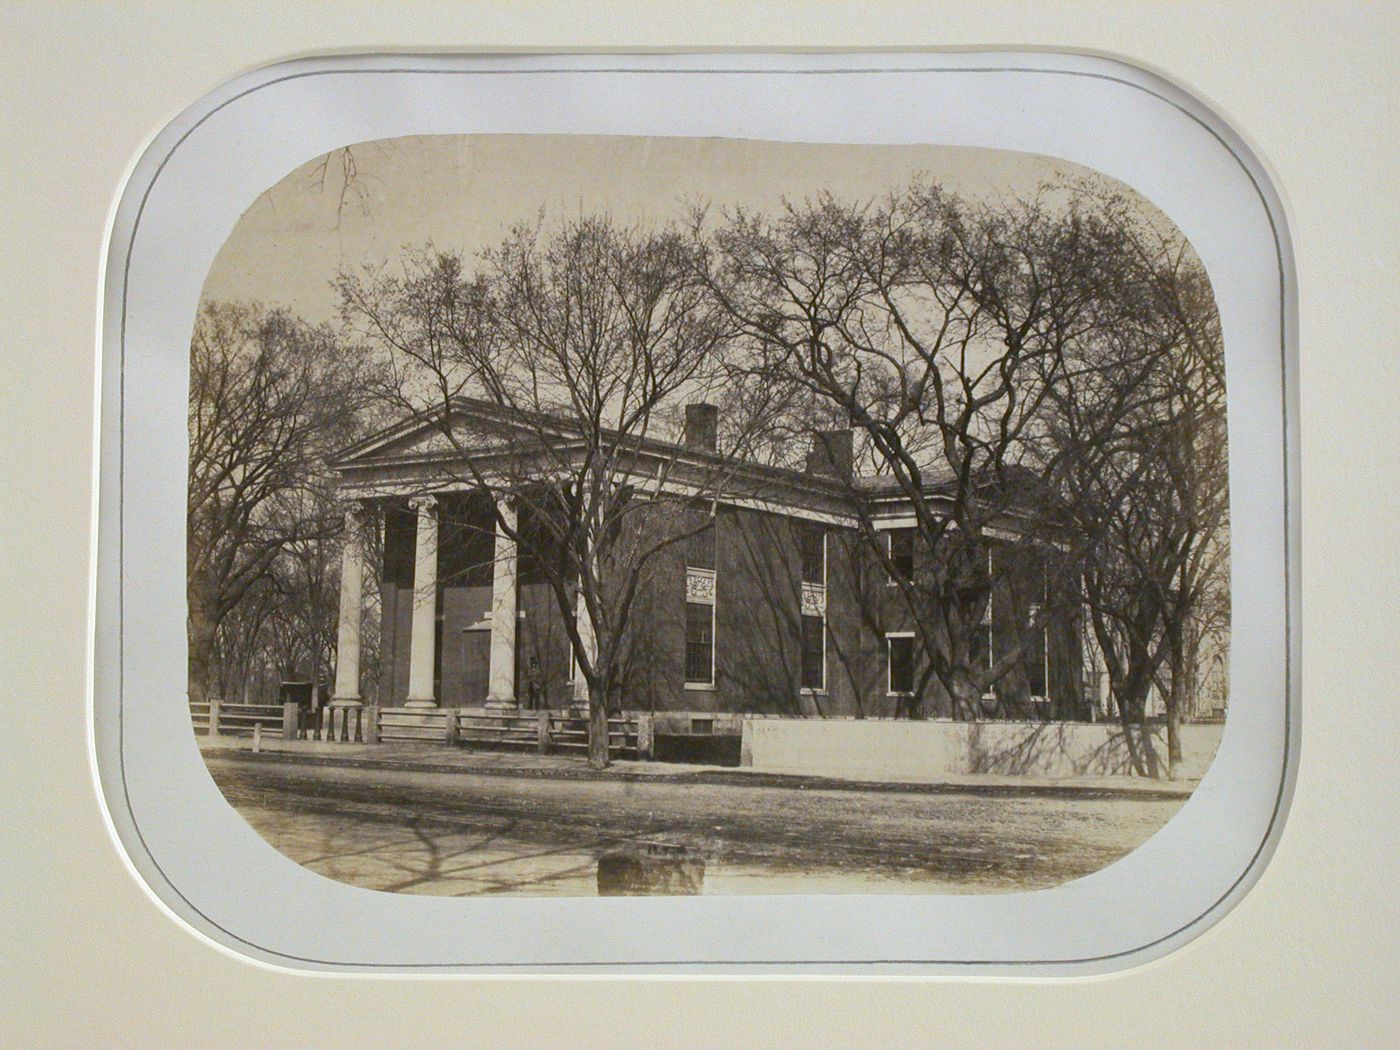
(315, 675)
(1176, 700)
(598, 757)
(1132, 705)
(201, 629)
(966, 698)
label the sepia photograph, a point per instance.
(589, 515)
(735, 525)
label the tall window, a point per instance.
(1038, 660)
(902, 553)
(812, 538)
(813, 653)
(1037, 652)
(700, 598)
(901, 662)
(811, 541)
(1037, 656)
(699, 644)
(985, 635)
(700, 545)
(982, 646)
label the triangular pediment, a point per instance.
(472, 429)
(433, 440)
(483, 443)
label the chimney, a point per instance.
(832, 454)
(701, 427)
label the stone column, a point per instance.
(590, 646)
(347, 646)
(423, 637)
(500, 688)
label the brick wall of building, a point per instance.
(757, 626)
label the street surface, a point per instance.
(459, 833)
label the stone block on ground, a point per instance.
(651, 868)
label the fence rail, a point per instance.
(629, 734)
(288, 721)
(216, 718)
(542, 731)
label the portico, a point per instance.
(423, 654)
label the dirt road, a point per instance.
(463, 833)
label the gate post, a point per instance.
(213, 718)
(371, 717)
(646, 734)
(289, 721)
(450, 729)
(543, 740)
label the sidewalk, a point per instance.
(439, 758)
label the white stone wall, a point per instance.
(873, 749)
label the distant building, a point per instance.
(776, 607)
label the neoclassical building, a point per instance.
(773, 605)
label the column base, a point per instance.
(496, 703)
(346, 701)
(422, 704)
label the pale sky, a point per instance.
(463, 192)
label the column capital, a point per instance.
(356, 511)
(425, 502)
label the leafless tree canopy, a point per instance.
(270, 399)
(953, 336)
(587, 338)
(1135, 438)
(1039, 379)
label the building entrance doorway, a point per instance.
(476, 666)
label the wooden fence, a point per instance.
(216, 718)
(288, 721)
(545, 732)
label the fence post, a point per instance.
(257, 736)
(543, 728)
(289, 721)
(371, 717)
(645, 735)
(213, 718)
(450, 733)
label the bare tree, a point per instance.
(937, 329)
(270, 397)
(240, 642)
(1137, 448)
(307, 575)
(577, 347)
